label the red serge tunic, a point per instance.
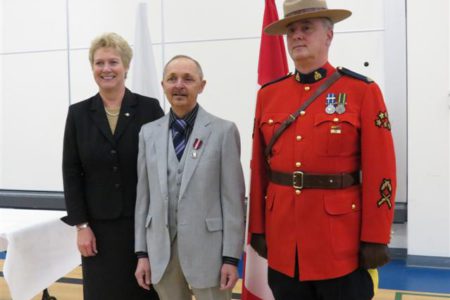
(324, 227)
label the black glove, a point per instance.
(258, 242)
(373, 255)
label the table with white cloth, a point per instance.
(40, 250)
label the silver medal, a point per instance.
(340, 109)
(330, 109)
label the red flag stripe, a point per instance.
(272, 54)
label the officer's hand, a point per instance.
(258, 242)
(373, 255)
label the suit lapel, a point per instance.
(127, 113)
(98, 115)
(161, 140)
(201, 131)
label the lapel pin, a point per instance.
(127, 114)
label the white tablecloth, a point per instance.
(40, 250)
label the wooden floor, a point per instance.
(73, 290)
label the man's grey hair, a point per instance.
(328, 23)
(200, 71)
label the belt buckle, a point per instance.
(295, 184)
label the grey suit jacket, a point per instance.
(210, 204)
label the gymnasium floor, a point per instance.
(397, 282)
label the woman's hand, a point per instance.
(86, 242)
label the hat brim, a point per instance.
(280, 27)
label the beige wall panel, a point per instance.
(34, 106)
(199, 20)
(30, 25)
(90, 18)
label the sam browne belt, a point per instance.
(301, 180)
(298, 179)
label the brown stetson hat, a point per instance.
(295, 10)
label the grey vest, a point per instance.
(175, 171)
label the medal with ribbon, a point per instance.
(342, 101)
(330, 104)
(197, 144)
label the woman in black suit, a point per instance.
(99, 173)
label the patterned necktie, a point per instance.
(179, 137)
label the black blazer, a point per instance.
(99, 168)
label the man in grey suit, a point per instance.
(190, 196)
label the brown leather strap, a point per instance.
(286, 123)
(300, 180)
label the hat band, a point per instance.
(304, 11)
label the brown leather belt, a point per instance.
(300, 180)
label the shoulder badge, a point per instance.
(350, 73)
(276, 80)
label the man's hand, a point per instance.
(373, 255)
(258, 242)
(228, 276)
(143, 273)
(86, 242)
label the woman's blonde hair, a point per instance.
(114, 41)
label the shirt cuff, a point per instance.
(141, 254)
(230, 260)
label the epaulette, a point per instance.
(350, 73)
(276, 80)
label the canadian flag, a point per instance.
(272, 53)
(272, 65)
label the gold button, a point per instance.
(298, 164)
(298, 192)
(353, 206)
(270, 121)
(298, 137)
(334, 120)
(302, 113)
(307, 88)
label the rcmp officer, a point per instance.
(323, 168)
